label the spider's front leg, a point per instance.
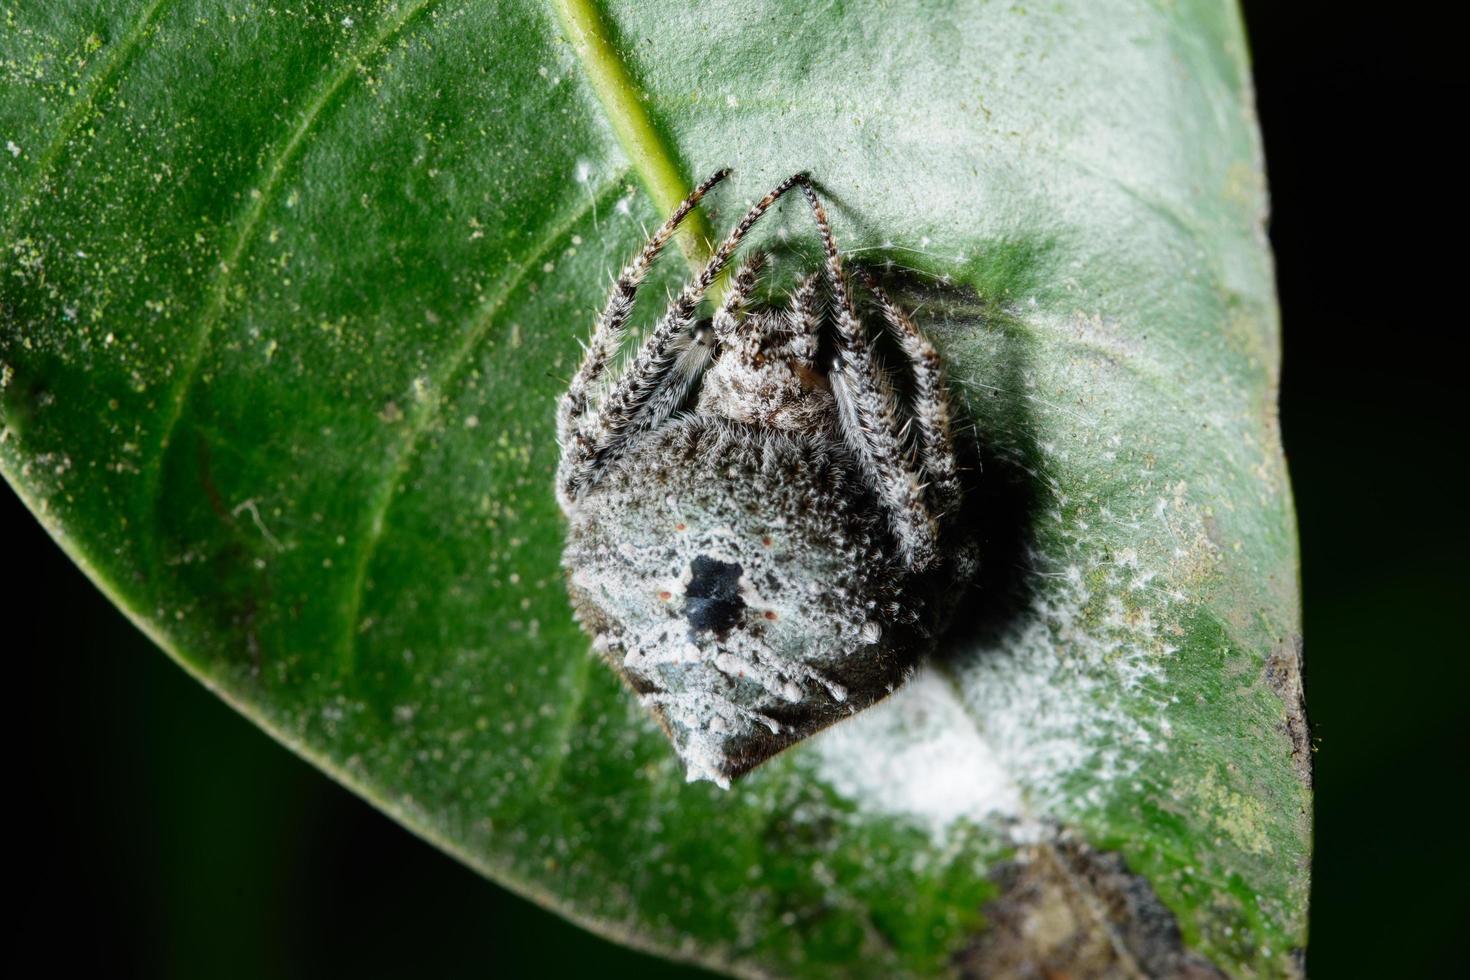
(690, 357)
(578, 438)
(726, 322)
(799, 338)
(871, 418)
(622, 415)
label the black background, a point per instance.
(157, 834)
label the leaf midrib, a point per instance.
(650, 154)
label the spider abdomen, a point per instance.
(750, 598)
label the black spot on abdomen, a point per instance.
(712, 600)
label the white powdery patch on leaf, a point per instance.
(1062, 700)
(917, 755)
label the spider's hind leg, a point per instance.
(931, 407)
(871, 417)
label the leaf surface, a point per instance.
(288, 291)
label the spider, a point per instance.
(763, 535)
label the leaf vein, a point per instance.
(561, 745)
(245, 231)
(425, 412)
(121, 54)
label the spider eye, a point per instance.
(704, 333)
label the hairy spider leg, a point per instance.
(607, 338)
(870, 414)
(695, 351)
(801, 338)
(727, 318)
(930, 403)
(617, 420)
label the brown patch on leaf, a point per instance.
(1284, 674)
(1069, 912)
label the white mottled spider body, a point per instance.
(763, 536)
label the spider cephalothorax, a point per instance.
(764, 535)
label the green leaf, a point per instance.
(286, 296)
